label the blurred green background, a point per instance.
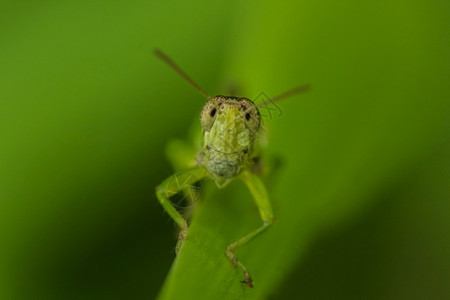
(86, 110)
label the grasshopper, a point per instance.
(230, 127)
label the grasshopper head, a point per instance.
(229, 129)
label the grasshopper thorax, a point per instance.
(229, 126)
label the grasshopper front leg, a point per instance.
(259, 194)
(178, 182)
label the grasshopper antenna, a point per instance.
(177, 69)
(297, 90)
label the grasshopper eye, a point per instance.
(208, 115)
(251, 115)
(252, 119)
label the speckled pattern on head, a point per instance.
(229, 126)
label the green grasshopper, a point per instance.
(230, 128)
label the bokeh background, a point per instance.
(86, 110)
